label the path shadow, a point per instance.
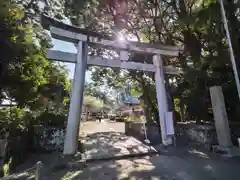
(182, 166)
(112, 144)
(174, 164)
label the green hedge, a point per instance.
(19, 124)
(51, 119)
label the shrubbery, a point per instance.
(28, 79)
(15, 120)
(19, 125)
(51, 119)
(16, 123)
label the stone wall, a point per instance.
(186, 133)
(49, 138)
(201, 134)
(204, 134)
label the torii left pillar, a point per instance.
(75, 110)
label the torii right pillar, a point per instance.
(161, 99)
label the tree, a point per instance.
(23, 63)
(93, 105)
(26, 74)
(101, 91)
(195, 24)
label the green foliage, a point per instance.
(26, 75)
(105, 95)
(205, 61)
(13, 119)
(51, 119)
(39, 88)
(177, 105)
(93, 104)
(6, 168)
(23, 60)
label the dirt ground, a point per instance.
(175, 163)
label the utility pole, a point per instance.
(231, 53)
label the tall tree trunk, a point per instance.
(147, 103)
(182, 110)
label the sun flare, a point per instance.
(121, 37)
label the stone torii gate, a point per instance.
(84, 38)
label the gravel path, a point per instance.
(91, 127)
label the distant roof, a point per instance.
(126, 107)
(131, 100)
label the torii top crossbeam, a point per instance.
(69, 33)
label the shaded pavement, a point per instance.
(173, 164)
(107, 139)
(156, 167)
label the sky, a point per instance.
(68, 47)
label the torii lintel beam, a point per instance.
(115, 63)
(74, 34)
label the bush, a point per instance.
(11, 119)
(50, 119)
(17, 123)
